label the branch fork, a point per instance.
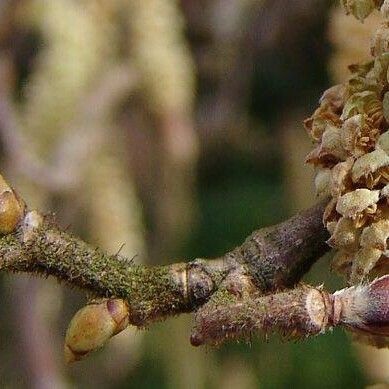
(242, 292)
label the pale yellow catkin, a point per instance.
(75, 46)
(161, 54)
(114, 211)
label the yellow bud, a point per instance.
(93, 325)
(11, 208)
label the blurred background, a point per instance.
(167, 130)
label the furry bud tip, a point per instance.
(365, 308)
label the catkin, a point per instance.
(160, 52)
(75, 45)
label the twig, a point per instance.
(227, 293)
(296, 313)
(271, 258)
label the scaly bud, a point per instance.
(93, 325)
(11, 208)
(364, 307)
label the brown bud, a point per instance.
(93, 325)
(364, 308)
(11, 208)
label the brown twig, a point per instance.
(232, 296)
(271, 258)
(297, 313)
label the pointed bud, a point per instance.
(93, 325)
(11, 208)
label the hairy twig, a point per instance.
(271, 258)
(296, 313)
(233, 295)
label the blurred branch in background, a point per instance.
(115, 223)
(167, 75)
(62, 120)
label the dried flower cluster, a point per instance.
(351, 158)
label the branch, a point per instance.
(296, 313)
(271, 258)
